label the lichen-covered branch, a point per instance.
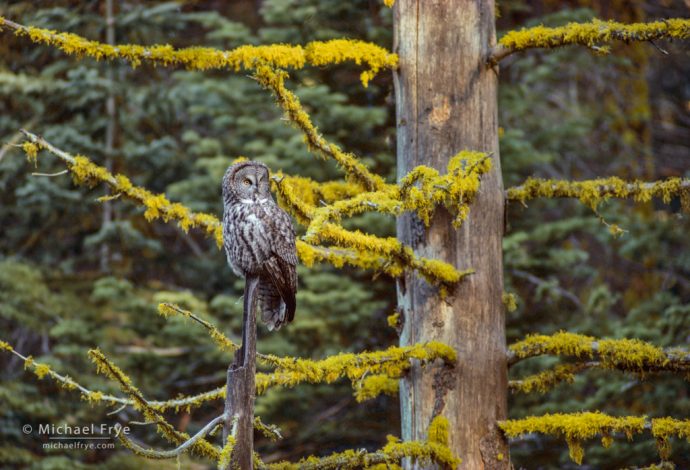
(295, 195)
(434, 450)
(421, 191)
(274, 80)
(390, 363)
(173, 453)
(593, 192)
(85, 172)
(359, 368)
(592, 35)
(222, 341)
(316, 53)
(575, 428)
(165, 429)
(665, 428)
(393, 362)
(546, 380)
(372, 386)
(578, 427)
(65, 382)
(631, 355)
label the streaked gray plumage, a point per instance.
(259, 240)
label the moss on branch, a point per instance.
(575, 428)
(355, 171)
(578, 427)
(372, 386)
(433, 450)
(85, 172)
(393, 362)
(592, 35)
(591, 193)
(665, 428)
(546, 380)
(165, 429)
(316, 53)
(630, 355)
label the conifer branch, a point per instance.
(591, 193)
(105, 366)
(433, 450)
(360, 253)
(546, 380)
(421, 191)
(355, 171)
(578, 427)
(391, 363)
(591, 35)
(316, 53)
(372, 386)
(65, 382)
(173, 453)
(629, 355)
(85, 172)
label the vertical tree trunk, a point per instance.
(446, 102)
(240, 389)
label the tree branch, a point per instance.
(592, 192)
(629, 355)
(578, 427)
(169, 454)
(316, 53)
(587, 34)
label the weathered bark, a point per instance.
(446, 102)
(241, 386)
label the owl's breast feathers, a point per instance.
(259, 239)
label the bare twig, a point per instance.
(169, 454)
(59, 173)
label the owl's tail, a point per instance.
(274, 311)
(277, 292)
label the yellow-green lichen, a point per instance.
(665, 428)
(509, 301)
(226, 453)
(591, 193)
(623, 354)
(274, 80)
(151, 414)
(392, 362)
(546, 380)
(372, 386)
(31, 150)
(595, 33)
(247, 57)
(222, 341)
(393, 320)
(575, 428)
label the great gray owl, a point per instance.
(259, 240)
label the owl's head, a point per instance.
(246, 180)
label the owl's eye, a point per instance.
(247, 182)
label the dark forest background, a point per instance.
(75, 273)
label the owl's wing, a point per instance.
(284, 277)
(284, 236)
(281, 268)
